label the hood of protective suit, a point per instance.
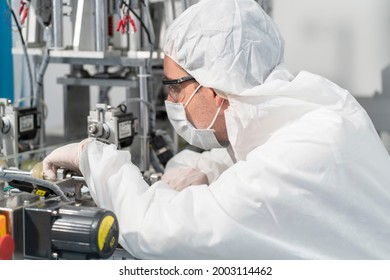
(232, 51)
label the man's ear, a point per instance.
(218, 99)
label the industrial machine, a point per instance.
(19, 130)
(41, 219)
(115, 125)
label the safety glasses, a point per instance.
(177, 81)
(174, 86)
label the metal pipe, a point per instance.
(185, 4)
(78, 24)
(57, 25)
(144, 120)
(101, 25)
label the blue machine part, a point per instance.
(6, 65)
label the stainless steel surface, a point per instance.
(144, 120)
(78, 24)
(101, 25)
(32, 32)
(94, 58)
(15, 171)
(97, 82)
(57, 24)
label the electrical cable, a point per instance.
(24, 50)
(39, 79)
(10, 175)
(140, 20)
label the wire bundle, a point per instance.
(124, 20)
(23, 10)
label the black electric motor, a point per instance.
(54, 230)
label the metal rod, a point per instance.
(57, 25)
(101, 25)
(144, 120)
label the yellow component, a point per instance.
(28, 164)
(37, 170)
(104, 229)
(3, 225)
(40, 192)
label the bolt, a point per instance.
(93, 129)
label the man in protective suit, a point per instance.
(294, 168)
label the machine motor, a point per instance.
(57, 231)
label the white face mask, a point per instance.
(201, 138)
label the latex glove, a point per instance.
(67, 157)
(182, 177)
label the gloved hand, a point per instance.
(182, 177)
(67, 157)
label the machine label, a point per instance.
(124, 129)
(40, 192)
(26, 123)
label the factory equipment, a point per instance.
(19, 130)
(114, 125)
(104, 35)
(53, 230)
(46, 220)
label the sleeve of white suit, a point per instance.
(157, 221)
(224, 220)
(212, 163)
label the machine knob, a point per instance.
(7, 247)
(5, 125)
(93, 129)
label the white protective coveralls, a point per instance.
(311, 180)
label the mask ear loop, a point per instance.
(192, 95)
(216, 115)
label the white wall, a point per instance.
(346, 41)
